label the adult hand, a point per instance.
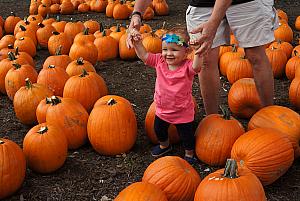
(207, 34)
(135, 24)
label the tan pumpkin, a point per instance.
(71, 117)
(13, 167)
(174, 176)
(45, 147)
(108, 136)
(215, 136)
(243, 99)
(267, 152)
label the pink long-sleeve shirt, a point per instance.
(173, 90)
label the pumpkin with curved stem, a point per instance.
(13, 167)
(239, 68)
(45, 147)
(243, 99)
(27, 99)
(141, 191)
(215, 137)
(267, 152)
(229, 184)
(41, 109)
(281, 118)
(15, 78)
(174, 176)
(108, 136)
(54, 78)
(76, 67)
(71, 117)
(278, 60)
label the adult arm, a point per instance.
(136, 21)
(208, 29)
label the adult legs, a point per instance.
(209, 81)
(263, 74)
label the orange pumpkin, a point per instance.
(41, 109)
(98, 5)
(85, 49)
(297, 23)
(141, 191)
(45, 147)
(230, 183)
(10, 23)
(27, 99)
(59, 25)
(152, 44)
(215, 137)
(278, 60)
(161, 7)
(57, 40)
(6, 40)
(243, 99)
(284, 33)
(121, 11)
(102, 43)
(281, 118)
(73, 28)
(83, 7)
(92, 25)
(13, 167)
(267, 152)
(58, 60)
(292, 66)
(15, 78)
(70, 116)
(285, 46)
(67, 8)
(109, 137)
(227, 57)
(239, 68)
(26, 44)
(174, 176)
(124, 51)
(43, 34)
(76, 67)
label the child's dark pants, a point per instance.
(185, 131)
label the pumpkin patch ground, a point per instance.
(87, 175)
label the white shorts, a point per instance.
(253, 23)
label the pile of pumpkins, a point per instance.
(118, 9)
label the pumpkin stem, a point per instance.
(28, 83)
(234, 48)
(11, 56)
(101, 27)
(55, 100)
(80, 61)
(1, 142)
(103, 33)
(55, 33)
(17, 51)
(16, 65)
(57, 18)
(225, 111)
(84, 73)
(296, 52)
(43, 130)
(58, 50)
(230, 170)
(51, 66)
(10, 46)
(118, 28)
(22, 27)
(41, 25)
(111, 102)
(86, 31)
(48, 100)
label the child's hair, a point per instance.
(180, 30)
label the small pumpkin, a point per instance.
(42, 108)
(76, 67)
(238, 68)
(102, 43)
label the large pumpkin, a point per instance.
(71, 117)
(45, 148)
(281, 118)
(215, 136)
(112, 126)
(230, 184)
(243, 99)
(13, 167)
(141, 191)
(267, 152)
(175, 176)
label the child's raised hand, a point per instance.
(135, 35)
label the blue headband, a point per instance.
(173, 38)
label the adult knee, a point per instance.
(256, 56)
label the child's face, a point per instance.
(173, 54)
